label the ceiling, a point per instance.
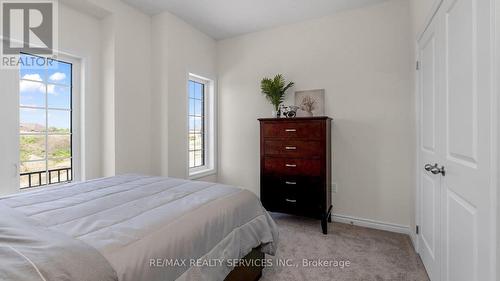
(222, 19)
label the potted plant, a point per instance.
(275, 90)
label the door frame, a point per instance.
(495, 131)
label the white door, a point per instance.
(430, 146)
(457, 197)
(465, 114)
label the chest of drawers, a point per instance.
(295, 166)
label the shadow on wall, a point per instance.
(357, 165)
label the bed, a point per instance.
(131, 228)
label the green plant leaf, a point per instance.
(275, 89)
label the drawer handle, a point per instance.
(291, 201)
(291, 182)
(290, 147)
(291, 130)
(290, 165)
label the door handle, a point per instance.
(290, 200)
(436, 170)
(290, 165)
(290, 147)
(428, 167)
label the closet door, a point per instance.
(430, 147)
(466, 121)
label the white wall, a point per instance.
(363, 60)
(497, 85)
(422, 11)
(108, 140)
(132, 91)
(126, 98)
(9, 130)
(79, 36)
(179, 49)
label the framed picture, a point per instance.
(311, 103)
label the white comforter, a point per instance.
(136, 221)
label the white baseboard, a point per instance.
(404, 229)
(413, 238)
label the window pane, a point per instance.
(57, 176)
(60, 73)
(197, 124)
(59, 163)
(31, 120)
(58, 170)
(198, 107)
(191, 159)
(191, 89)
(191, 106)
(59, 96)
(192, 139)
(24, 181)
(34, 68)
(31, 93)
(198, 158)
(31, 148)
(37, 179)
(198, 91)
(198, 141)
(59, 146)
(190, 124)
(44, 87)
(59, 121)
(30, 167)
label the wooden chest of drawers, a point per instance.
(295, 166)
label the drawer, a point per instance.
(298, 149)
(305, 184)
(292, 166)
(308, 130)
(280, 200)
(301, 199)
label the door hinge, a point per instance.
(417, 66)
(417, 229)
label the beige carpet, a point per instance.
(374, 255)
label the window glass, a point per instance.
(45, 123)
(196, 124)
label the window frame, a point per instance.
(209, 128)
(74, 110)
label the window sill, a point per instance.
(201, 173)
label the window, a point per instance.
(46, 123)
(201, 133)
(196, 124)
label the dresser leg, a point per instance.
(330, 213)
(325, 219)
(324, 225)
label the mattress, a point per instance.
(145, 228)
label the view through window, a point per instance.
(45, 115)
(196, 124)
